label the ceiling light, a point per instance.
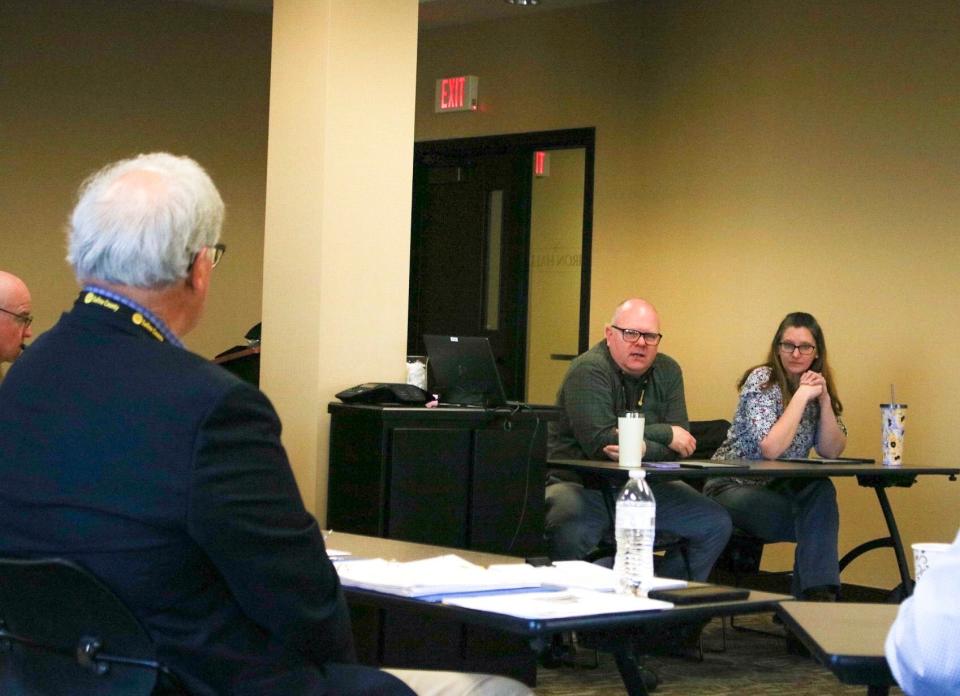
(524, 3)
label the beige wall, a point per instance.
(755, 158)
(337, 252)
(86, 83)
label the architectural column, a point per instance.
(337, 238)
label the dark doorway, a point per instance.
(470, 242)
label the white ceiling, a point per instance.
(437, 13)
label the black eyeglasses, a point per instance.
(25, 319)
(632, 335)
(787, 348)
(218, 251)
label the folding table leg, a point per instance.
(632, 671)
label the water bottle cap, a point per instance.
(637, 473)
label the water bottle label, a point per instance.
(635, 517)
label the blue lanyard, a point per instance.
(141, 316)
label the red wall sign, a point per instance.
(456, 94)
(541, 163)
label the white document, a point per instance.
(450, 574)
(432, 576)
(589, 576)
(557, 605)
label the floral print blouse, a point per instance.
(757, 412)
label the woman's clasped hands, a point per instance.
(812, 386)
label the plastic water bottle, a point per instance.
(635, 528)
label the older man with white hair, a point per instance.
(162, 473)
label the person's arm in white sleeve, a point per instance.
(923, 645)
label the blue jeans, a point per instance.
(577, 520)
(800, 510)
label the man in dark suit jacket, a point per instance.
(159, 471)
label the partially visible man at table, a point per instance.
(923, 646)
(15, 316)
(625, 372)
(163, 474)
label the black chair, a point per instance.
(63, 632)
(710, 434)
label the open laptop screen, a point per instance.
(464, 371)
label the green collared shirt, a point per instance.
(595, 391)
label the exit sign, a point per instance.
(456, 94)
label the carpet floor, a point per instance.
(751, 664)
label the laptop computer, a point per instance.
(464, 371)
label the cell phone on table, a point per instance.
(700, 594)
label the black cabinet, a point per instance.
(461, 477)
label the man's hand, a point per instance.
(613, 451)
(683, 443)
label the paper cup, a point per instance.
(925, 555)
(630, 437)
(417, 371)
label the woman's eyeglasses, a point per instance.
(787, 348)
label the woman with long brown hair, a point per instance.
(788, 406)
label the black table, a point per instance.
(874, 476)
(536, 633)
(845, 638)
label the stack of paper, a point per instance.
(590, 576)
(434, 576)
(450, 575)
(557, 605)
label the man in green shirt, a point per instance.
(625, 372)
